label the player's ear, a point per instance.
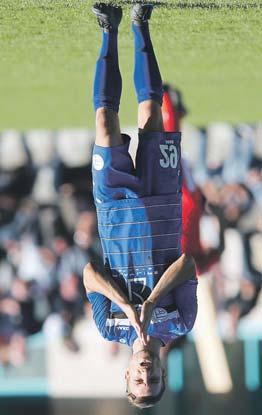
(127, 374)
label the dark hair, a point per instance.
(146, 401)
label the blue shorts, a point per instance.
(157, 170)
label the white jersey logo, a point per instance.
(98, 162)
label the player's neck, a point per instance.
(153, 346)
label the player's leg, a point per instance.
(158, 153)
(112, 166)
(147, 78)
(108, 82)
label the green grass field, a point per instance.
(212, 50)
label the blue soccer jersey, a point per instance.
(139, 222)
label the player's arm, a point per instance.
(95, 282)
(182, 270)
(104, 284)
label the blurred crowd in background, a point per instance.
(48, 229)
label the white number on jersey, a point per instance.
(170, 155)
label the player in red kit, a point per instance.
(193, 200)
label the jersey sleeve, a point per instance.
(101, 308)
(112, 329)
(185, 299)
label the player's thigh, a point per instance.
(158, 163)
(150, 117)
(108, 132)
(113, 173)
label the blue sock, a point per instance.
(147, 78)
(108, 81)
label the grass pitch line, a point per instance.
(210, 349)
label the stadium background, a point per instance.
(48, 51)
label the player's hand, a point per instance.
(134, 319)
(145, 317)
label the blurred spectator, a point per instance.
(44, 241)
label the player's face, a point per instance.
(144, 374)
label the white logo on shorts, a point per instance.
(98, 162)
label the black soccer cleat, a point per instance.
(108, 16)
(141, 12)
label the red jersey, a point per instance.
(192, 201)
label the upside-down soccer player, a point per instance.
(146, 295)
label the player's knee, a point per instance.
(103, 118)
(107, 127)
(107, 119)
(150, 116)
